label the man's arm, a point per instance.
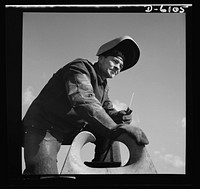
(108, 106)
(81, 95)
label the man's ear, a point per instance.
(101, 59)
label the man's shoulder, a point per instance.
(81, 61)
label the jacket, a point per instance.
(75, 96)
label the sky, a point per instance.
(158, 81)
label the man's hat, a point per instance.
(127, 46)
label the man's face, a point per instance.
(110, 66)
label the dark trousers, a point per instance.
(102, 144)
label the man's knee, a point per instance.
(41, 165)
(41, 155)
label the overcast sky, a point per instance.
(51, 40)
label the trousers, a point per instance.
(40, 151)
(41, 148)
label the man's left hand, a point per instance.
(125, 116)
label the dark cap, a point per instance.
(114, 52)
(127, 46)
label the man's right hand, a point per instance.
(134, 132)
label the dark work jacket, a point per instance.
(74, 96)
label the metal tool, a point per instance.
(128, 110)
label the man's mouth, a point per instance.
(113, 72)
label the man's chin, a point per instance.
(112, 75)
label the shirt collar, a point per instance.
(100, 80)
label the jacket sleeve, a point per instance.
(82, 98)
(111, 111)
(108, 106)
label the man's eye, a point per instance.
(118, 63)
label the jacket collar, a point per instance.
(100, 80)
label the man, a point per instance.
(76, 99)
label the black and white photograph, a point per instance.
(103, 92)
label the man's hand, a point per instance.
(125, 116)
(133, 131)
